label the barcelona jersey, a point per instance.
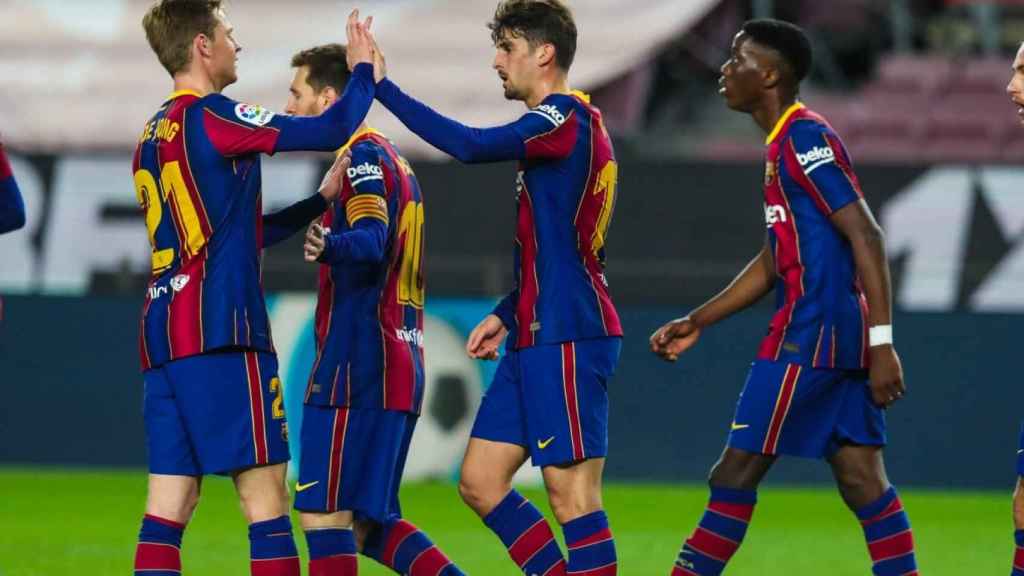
(565, 195)
(821, 313)
(369, 314)
(197, 178)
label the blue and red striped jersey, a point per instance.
(821, 315)
(197, 177)
(369, 314)
(565, 193)
(12, 206)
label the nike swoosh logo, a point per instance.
(301, 487)
(544, 444)
(736, 426)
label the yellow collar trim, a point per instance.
(180, 93)
(782, 121)
(581, 95)
(359, 134)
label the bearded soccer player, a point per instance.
(213, 401)
(366, 388)
(827, 368)
(1015, 89)
(548, 400)
(12, 207)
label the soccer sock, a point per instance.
(1018, 555)
(890, 540)
(401, 546)
(272, 550)
(332, 552)
(591, 546)
(158, 552)
(718, 535)
(527, 536)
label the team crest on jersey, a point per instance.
(179, 282)
(253, 114)
(769, 172)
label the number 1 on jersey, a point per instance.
(152, 198)
(410, 279)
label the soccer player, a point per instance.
(12, 207)
(549, 400)
(213, 401)
(1015, 89)
(366, 388)
(827, 368)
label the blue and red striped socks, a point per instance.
(332, 552)
(401, 546)
(158, 552)
(1018, 554)
(718, 535)
(527, 536)
(890, 540)
(272, 550)
(591, 546)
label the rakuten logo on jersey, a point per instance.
(410, 335)
(365, 169)
(816, 154)
(774, 214)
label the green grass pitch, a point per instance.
(57, 521)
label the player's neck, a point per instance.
(546, 87)
(199, 83)
(767, 115)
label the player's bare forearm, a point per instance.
(749, 286)
(867, 242)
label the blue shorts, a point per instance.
(352, 459)
(552, 399)
(215, 413)
(802, 411)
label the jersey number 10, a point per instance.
(410, 278)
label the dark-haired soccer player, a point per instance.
(549, 400)
(1015, 89)
(12, 207)
(213, 401)
(827, 368)
(366, 388)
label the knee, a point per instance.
(724, 476)
(1018, 508)
(860, 487)
(571, 502)
(264, 502)
(175, 505)
(481, 491)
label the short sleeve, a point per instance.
(549, 131)
(818, 161)
(365, 194)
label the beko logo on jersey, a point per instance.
(552, 111)
(816, 157)
(411, 335)
(365, 169)
(774, 214)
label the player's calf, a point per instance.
(264, 500)
(170, 502)
(1018, 523)
(574, 492)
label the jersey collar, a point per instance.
(359, 134)
(181, 93)
(581, 95)
(782, 121)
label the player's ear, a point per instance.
(202, 45)
(328, 96)
(545, 54)
(771, 76)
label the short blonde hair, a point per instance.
(171, 25)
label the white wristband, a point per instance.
(880, 335)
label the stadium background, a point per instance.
(916, 89)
